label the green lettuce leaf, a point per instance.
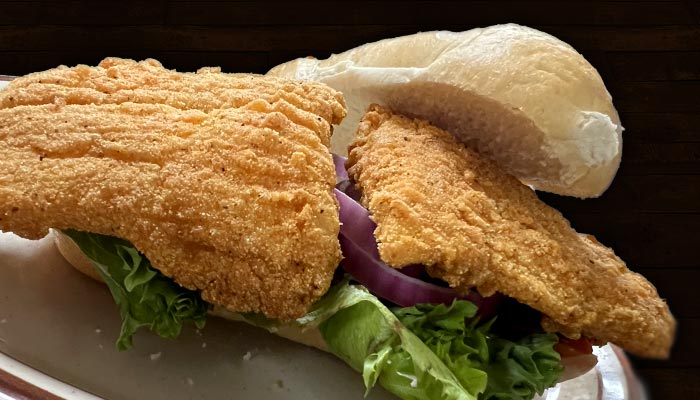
(145, 297)
(500, 368)
(518, 370)
(364, 333)
(428, 351)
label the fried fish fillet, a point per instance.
(223, 181)
(440, 204)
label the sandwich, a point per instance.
(419, 261)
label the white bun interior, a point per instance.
(519, 96)
(72, 253)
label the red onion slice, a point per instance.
(362, 262)
(356, 224)
(388, 283)
(414, 271)
(340, 172)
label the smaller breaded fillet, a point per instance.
(440, 204)
(223, 181)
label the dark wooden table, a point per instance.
(648, 53)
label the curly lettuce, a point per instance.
(500, 368)
(364, 333)
(431, 351)
(145, 297)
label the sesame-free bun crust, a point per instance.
(78, 260)
(72, 253)
(519, 96)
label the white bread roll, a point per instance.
(72, 253)
(519, 96)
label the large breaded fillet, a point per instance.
(440, 204)
(223, 181)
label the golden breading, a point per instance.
(223, 181)
(440, 204)
(117, 81)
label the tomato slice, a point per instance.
(569, 347)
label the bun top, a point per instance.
(517, 95)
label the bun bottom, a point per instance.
(75, 257)
(573, 366)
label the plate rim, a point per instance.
(19, 381)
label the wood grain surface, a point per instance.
(648, 53)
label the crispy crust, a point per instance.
(223, 181)
(440, 204)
